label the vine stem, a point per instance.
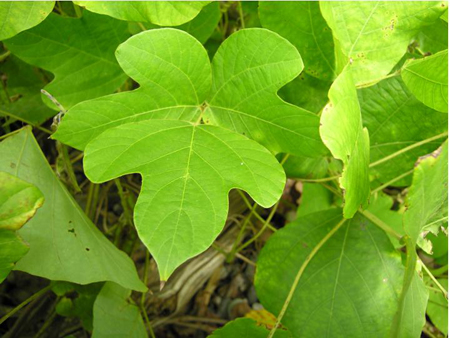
(25, 302)
(144, 294)
(404, 150)
(379, 223)
(381, 187)
(300, 273)
(249, 205)
(444, 292)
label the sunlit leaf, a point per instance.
(79, 52)
(19, 201)
(375, 35)
(183, 202)
(342, 132)
(353, 281)
(64, 244)
(17, 16)
(427, 79)
(162, 13)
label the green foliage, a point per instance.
(437, 308)
(427, 79)
(18, 202)
(116, 315)
(163, 13)
(64, 244)
(12, 248)
(246, 327)
(350, 142)
(79, 52)
(17, 16)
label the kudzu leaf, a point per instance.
(248, 70)
(314, 198)
(17, 16)
(305, 167)
(18, 202)
(12, 248)
(22, 98)
(428, 192)
(79, 52)
(342, 132)
(64, 244)
(395, 120)
(427, 79)
(187, 171)
(116, 315)
(375, 36)
(246, 327)
(437, 308)
(174, 73)
(303, 25)
(434, 38)
(162, 13)
(353, 280)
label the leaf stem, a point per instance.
(404, 150)
(241, 232)
(300, 273)
(241, 14)
(144, 294)
(379, 223)
(25, 302)
(381, 187)
(444, 292)
(249, 205)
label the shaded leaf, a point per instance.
(79, 52)
(17, 16)
(116, 315)
(375, 35)
(437, 308)
(12, 248)
(427, 79)
(246, 327)
(342, 132)
(183, 202)
(23, 99)
(18, 202)
(353, 281)
(162, 13)
(314, 198)
(64, 244)
(396, 119)
(428, 192)
(434, 38)
(303, 25)
(305, 167)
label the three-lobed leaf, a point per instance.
(79, 52)
(64, 244)
(427, 79)
(18, 202)
(187, 172)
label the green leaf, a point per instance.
(342, 132)
(12, 248)
(391, 114)
(18, 202)
(303, 25)
(304, 167)
(64, 244)
(163, 13)
(428, 192)
(183, 202)
(115, 314)
(79, 52)
(201, 27)
(22, 98)
(348, 289)
(427, 79)
(248, 69)
(17, 16)
(437, 308)
(375, 35)
(314, 198)
(246, 327)
(434, 38)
